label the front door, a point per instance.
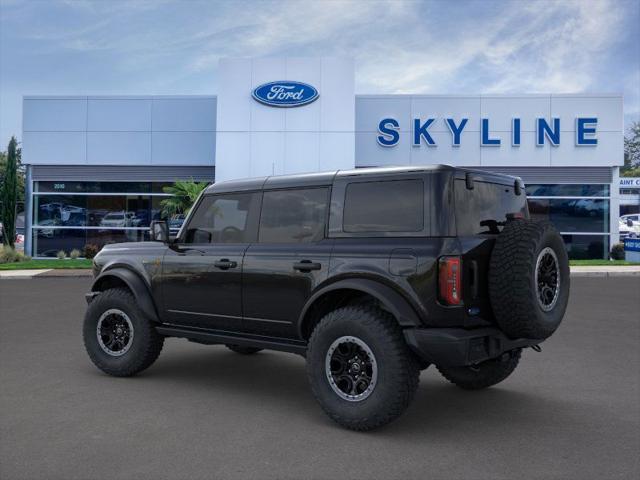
(289, 260)
(202, 271)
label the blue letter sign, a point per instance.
(389, 135)
(584, 127)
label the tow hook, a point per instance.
(536, 348)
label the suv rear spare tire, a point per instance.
(529, 279)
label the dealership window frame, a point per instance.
(36, 193)
(605, 235)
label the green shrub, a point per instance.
(91, 250)
(61, 255)
(10, 255)
(617, 252)
(75, 253)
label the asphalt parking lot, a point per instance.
(570, 412)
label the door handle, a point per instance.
(306, 266)
(225, 264)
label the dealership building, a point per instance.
(96, 166)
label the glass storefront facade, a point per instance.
(580, 212)
(72, 215)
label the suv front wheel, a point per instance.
(360, 369)
(119, 339)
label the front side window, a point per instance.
(293, 216)
(387, 206)
(224, 218)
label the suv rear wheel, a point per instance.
(484, 374)
(119, 339)
(360, 369)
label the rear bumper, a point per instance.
(459, 347)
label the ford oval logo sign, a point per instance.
(285, 93)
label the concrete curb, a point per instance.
(44, 273)
(605, 274)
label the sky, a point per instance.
(118, 47)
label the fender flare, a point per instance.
(399, 306)
(137, 286)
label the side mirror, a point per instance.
(629, 222)
(159, 231)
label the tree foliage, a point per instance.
(19, 172)
(631, 166)
(9, 193)
(185, 193)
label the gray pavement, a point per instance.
(570, 412)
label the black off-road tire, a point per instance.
(397, 368)
(513, 289)
(484, 374)
(242, 349)
(145, 346)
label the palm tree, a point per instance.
(185, 193)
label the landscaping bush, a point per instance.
(10, 255)
(617, 252)
(75, 253)
(61, 255)
(91, 250)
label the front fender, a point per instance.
(134, 282)
(399, 307)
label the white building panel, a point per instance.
(266, 154)
(50, 114)
(184, 114)
(119, 115)
(183, 148)
(336, 150)
(284, 139)
(234, 108)
(302, 152)
(233, 145)
(337, 90)
(119, 148)
(54, 148)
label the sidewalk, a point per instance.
(48, 273)
(599, 271)
(606, 271)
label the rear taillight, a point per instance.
(450, 280)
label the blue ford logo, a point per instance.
(285, 93)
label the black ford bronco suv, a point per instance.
(371, 274)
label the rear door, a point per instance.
(202, 273)
(290, 258)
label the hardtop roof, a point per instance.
(327, 178)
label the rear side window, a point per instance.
(225, 218)
(293, 216)
(485, 208)
(387, 206)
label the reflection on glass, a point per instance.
(581, 215)
(584, 247)
(47, 242)
(558, 190)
